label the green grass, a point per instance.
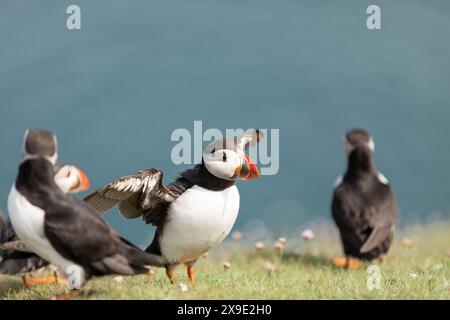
(303, 272)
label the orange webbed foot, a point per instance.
(191, 275)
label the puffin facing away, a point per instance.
(15, 258)
(62, 229)
(364, 206)
(194, 213)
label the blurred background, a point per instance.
(114, 91)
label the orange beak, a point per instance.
(82, 183)
(249, 170)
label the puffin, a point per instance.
(2, 223)
(194, 213)
(364, 206)
(15, 258)
(64, 230)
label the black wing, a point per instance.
(2, 225)
(142, 194)
(77, 231)
(15, 257)
(367, 215)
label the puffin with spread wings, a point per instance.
(194, 213)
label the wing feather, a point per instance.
(135, 195)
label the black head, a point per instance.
(358, 138)
(40, 143)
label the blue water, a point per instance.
(116, 89)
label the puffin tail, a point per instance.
(376, 237)
(140, 258)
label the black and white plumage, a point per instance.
(15, 258)
(63, 230)
(195, 212)
(364, 206)
(2, 223)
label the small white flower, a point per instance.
(236, 236)
(118, 279)
(407, 243)
(270, 267)
(413, 275)
(279, 247)
(307, 234)
(438, 266)
(282, 240)
(259, 246)
(183, 287)
(226, 265)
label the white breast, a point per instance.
(197, 221)
(28, 223)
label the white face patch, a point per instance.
(66, 177)
(222, 163)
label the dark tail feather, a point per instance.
(137, 257)
(376, 237)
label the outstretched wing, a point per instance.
(136, 195)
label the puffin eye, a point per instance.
(213, 151)
(224, 157)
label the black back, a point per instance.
(361, 204)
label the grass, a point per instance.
(304, 271)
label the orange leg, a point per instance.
(352, 263)
(347, 263)
(169, 274)
(339, 262)
(28, 282)
(190, 272)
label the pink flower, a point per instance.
(307, 234)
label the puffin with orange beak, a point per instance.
(194, 213)
(15, 257)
